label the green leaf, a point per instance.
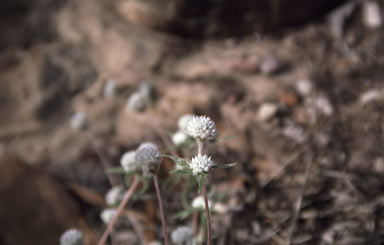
(178, 161)
(229, 165)
(182, 171)
(184, 214)
(201, 180)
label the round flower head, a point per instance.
(148, 156)
(201, 127)
(136, 102)
(183, 235)
(183, 121)
(198, 203)
(114, 195)
(72, 237)
(179, 138)
(201, 164)
(128, 162)
(107, 215)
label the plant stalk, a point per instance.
(163, 222)
(208, 216)
(120, 209)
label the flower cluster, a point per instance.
(201, 127)
(201, 164)
(72, 237)
(148, 157)
(182, 235)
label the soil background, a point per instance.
(296, 91)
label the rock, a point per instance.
(372, 14)
(266, 111)
(33, 208)
(370, 96)
(304, 87)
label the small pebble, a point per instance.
(370, 96)
(266, 111)
(324, 106)
(304, 87)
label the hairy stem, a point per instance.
(163, 223)
(200, 146)
(120, 209)
(208, 216)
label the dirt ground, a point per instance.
(300, 110)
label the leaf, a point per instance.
(184, 214)
(145, 186)
(178, 161)
(222, 165)
(182, 171)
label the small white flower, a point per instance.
(179, 138)
(148, 156)
(79, 121)
(183, 121)
(183, 235)
(72, 237)
(201, 127)
(136, 102)
(201, 164)
(107, 215)
(114, 195)
(198, 203)
(110, 89)
(128, 162)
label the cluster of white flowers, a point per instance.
(198, 203)
(114, 195)
(181, 136)
(140, 100)
(107, 215)
(72, 237)
(201, 164)
(182, 235)
(128, 162)
(201, 127)
(148, 157)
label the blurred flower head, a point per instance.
(148, 157)
(72, 237)
(128, 162)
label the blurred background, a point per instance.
(295, 88)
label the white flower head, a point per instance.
(110, 89)
(201, 127)
(201, 164)
(114, 195)
(128, 162)
(183, 121)
(107, 215)
(147, 156)
(182, 235)
(198, 203)
(79, 121)
(179, 138)
(136, 102)
(72, 237)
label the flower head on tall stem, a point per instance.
(148, 157)
(201, 127)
